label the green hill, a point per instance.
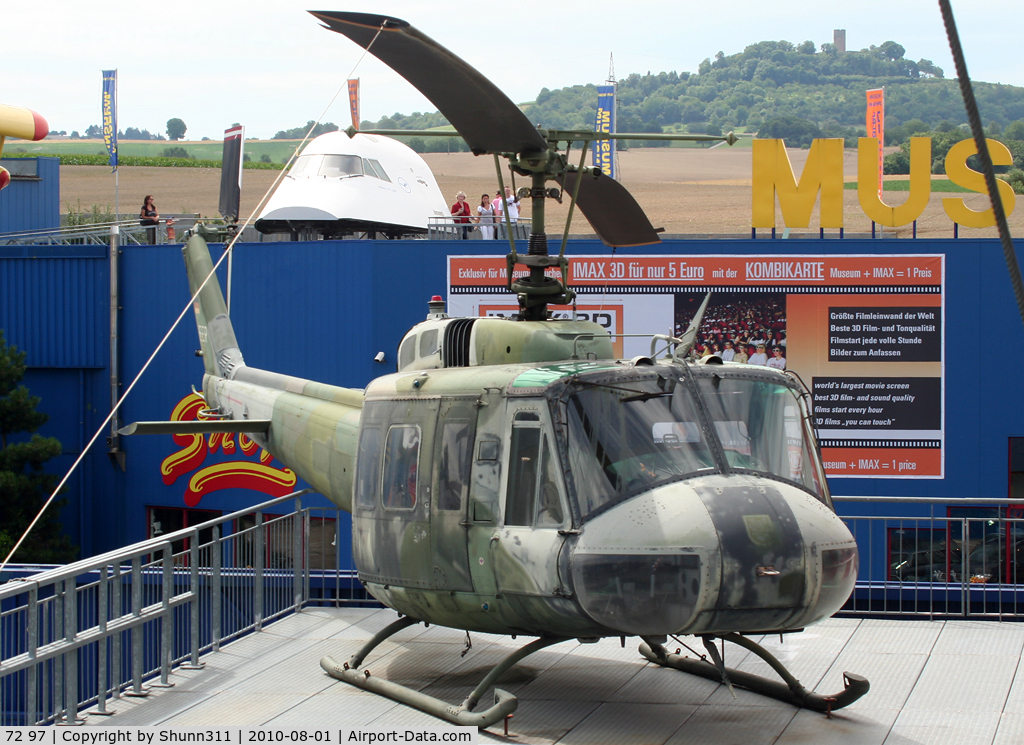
(767, 80)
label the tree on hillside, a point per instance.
(795, 131)
(23, 483)
(175, 129)
(297, 133)
(1014, 131)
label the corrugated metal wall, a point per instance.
(29, 204)
(53, 304)
(322, 310)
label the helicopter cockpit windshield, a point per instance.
(629, 434)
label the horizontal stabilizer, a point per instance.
(196, 427)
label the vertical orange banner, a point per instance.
(353, 101)
(876, 125)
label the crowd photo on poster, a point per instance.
(738, 327)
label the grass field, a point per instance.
(690, 191)
(938, 184)
(278, 150)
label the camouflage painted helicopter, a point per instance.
(512, 477)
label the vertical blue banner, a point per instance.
(110, 115)
(604, 150)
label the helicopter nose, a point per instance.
(717, 553)
(644, 567)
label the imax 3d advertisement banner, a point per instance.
(864, 333)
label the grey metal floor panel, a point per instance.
(932, 683)
(892, 677)
(980, 637)
(620, 724)
(933, 727)
(577, 678)
(963, 683)
(730, 725)
(545, 721)
(1015, 699)
(1010, 731)
(907, 637)
(663, 685)
(337, 706)
(846, 727)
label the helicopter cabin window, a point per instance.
(760, 427)
(401, 462)
(407, 352)
(428, 343)
(455, 464)
(532, 497)
(367, 468)
(626, 436)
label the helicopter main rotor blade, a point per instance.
(611, 210)
(486, 118)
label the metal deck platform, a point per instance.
(932, 682)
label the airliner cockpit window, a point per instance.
(378, 169)
(340, 166)
(306, 165)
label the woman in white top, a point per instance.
(759, 357)
(485, 218)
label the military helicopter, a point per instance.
(513, 477)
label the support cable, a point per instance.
(974, 118)
(227, 252)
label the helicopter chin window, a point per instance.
(645, 594)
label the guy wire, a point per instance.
(188, 306)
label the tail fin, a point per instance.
(221, 354)
(231, 173)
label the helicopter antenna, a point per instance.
(690, 335)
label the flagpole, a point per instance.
(117, 174)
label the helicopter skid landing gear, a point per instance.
(504, 702)
(789, 691)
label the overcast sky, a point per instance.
(269, 64)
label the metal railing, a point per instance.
(957, 558)
(447, 229)
(76, 635)
(131, 233)
(114, 625)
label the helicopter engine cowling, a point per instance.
(714, 553)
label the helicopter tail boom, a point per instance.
(219, 348)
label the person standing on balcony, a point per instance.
(150, 218)
(485, 218)
(462, 212)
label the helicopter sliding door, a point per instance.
(390, 512)
(527, 546)
(453, 461)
